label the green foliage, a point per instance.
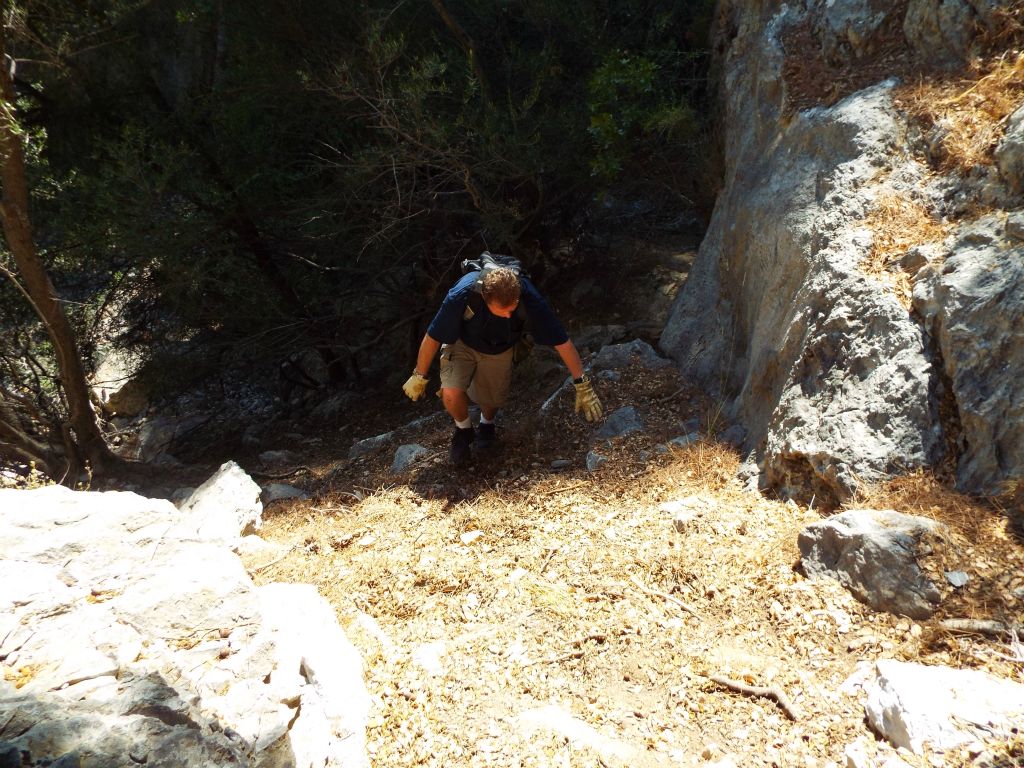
(301, 174)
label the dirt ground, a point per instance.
(515, 614)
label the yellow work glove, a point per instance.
(586, 400)
(415, 386)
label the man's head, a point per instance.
(500, 290)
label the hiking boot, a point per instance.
(485, 436)
(461, 441)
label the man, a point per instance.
(480, 321)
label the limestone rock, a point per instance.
(875, 554)
(370, 445)
(974, 305)
(281, 492)
(137, 643)
(939, 31)
(1010, 152)
(827, 371)
(924, 708)
(226, 506)
(157, 436)
(406, 456)
(277, 458)
(115, 386)
(624, 421)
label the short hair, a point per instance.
(501, 285)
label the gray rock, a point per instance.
(594, 337)
(875, 555)
(620, 356)
(854, 25)
(939, 31)
(974, 307)
(157, 436)
(928, 709)
(10, 755)
(957, 578)
(180, 495)
(821, 364)
(594, 461)
(684, 441)
(333, 408)
(1010, 152)
(281, 492)
(561, 464)
(371, 445)
(277, 458)
(116, 387)
(406, 455)
(624, 421)
(1015, 225)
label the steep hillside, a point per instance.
(515, 614)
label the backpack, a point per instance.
(489, 261)
(486, 262)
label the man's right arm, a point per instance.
(428, 349)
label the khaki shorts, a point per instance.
(485, 378)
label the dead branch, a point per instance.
(988, 627)
(664, 596)
(771, 693)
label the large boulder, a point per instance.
(125, 639)
(817, 356)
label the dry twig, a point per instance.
(664, 596)
(771, 693)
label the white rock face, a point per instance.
(939, 708)
(126, 639)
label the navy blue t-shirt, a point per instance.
(486, 332)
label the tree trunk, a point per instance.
(18, 232)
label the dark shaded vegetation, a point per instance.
(261, 178)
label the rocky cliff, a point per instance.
(858, 302)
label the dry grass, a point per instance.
(574, 590)
(897, 223)
(969, 111)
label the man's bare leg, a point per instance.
(456, 403)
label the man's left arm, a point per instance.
(587, 401)
(571, 358)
